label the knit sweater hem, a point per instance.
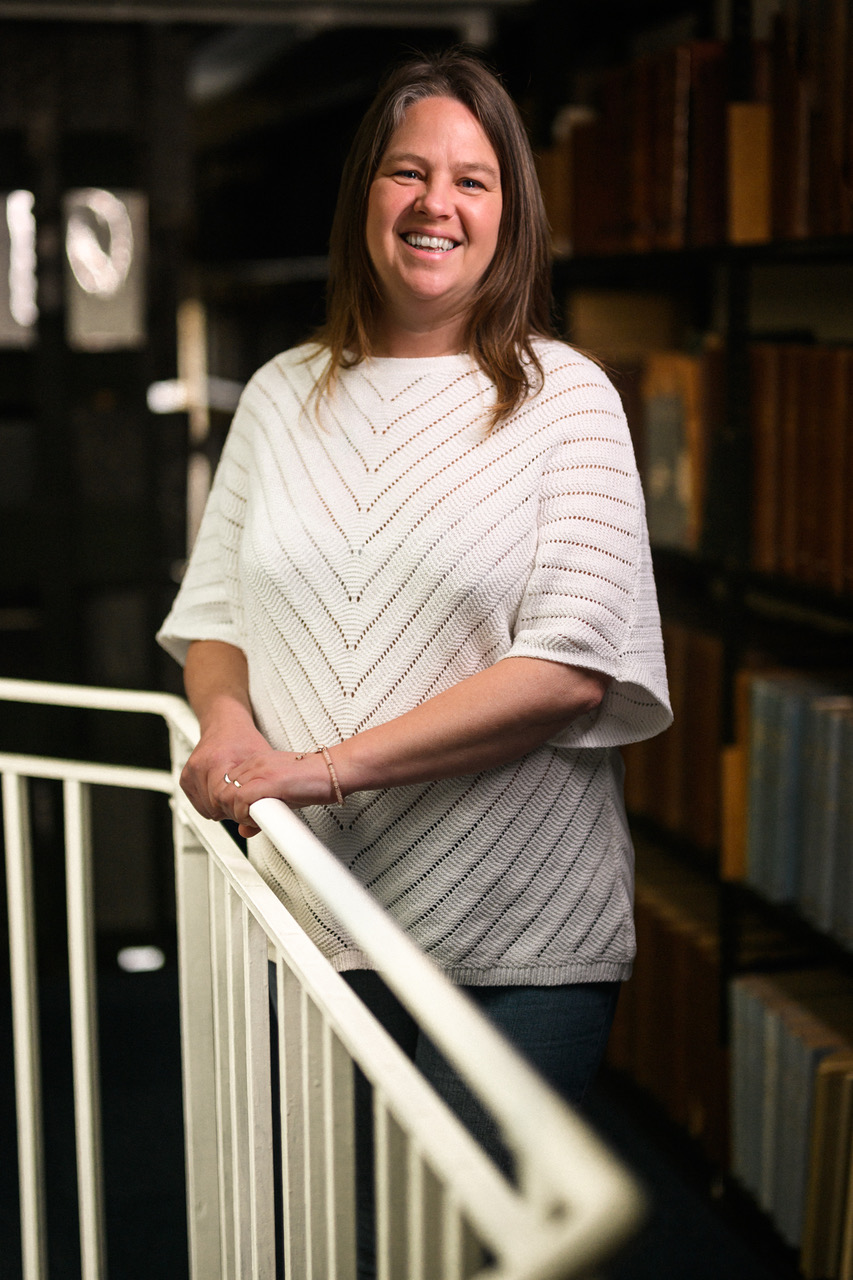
(533, 975)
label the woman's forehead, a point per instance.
(443, 123)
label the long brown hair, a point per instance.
(512, 303)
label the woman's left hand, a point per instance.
(297, 779)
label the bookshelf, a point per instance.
(700, 190)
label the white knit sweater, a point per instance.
(369, 560)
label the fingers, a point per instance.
(205, 786)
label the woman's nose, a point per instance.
(434, 199)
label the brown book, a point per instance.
(829, 68)
(678, 1046)
(554, 170)
(670, 133)
(665, 803)
(829, 1167)
(791, 104)
(847, 498)
(765, 360)
(734, 788)
(617, 102)
(734, 776)
(672, 910)
(620, 1042)
(701, 741)
(836, 528)
(600, 171)
(676, 447)
(641, 125)
(707, 1060)
(653, 994)
(749, 173)
(546, 160)
(707, 170)
(678, 1015)
(811, 460)
(845, 1270)
(791, 388)
(825, 498)
(640, 775)
(623, 326)
(846, 212)
(590, 189)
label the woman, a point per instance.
(421, 607)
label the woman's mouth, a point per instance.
(438, 244)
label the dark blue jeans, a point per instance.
(562, 1030)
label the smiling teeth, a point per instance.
(429, 242)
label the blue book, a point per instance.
(778, 708)
(821, 809)
(744, 1059)
(842, 892)
(759, 807)
(748, 1093)
(789, 759)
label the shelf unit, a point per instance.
(714, 590)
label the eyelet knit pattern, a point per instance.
(369, 553)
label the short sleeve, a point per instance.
(590, 600)
(207, 606)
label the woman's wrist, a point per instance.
(337, 795)
(333, 774)
(226, 709)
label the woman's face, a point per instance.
(433, 214)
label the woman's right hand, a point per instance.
(216, 678)
(223, 745)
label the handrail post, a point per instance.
(197, 1045)
(84, 1027)
(22, 948)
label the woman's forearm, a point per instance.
(216, 680)
(494, 716)
(487, 720)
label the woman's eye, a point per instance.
(407, 173)
(471, 184)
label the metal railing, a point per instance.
(443, 1209)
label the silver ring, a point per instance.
(236, 783)
(227, 779)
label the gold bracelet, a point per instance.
(338, 793)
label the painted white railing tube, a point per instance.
(293, 1128)
(339, 1118)
(222, 1035)
(442, 1205)
(258, 1097)
(238, 1087)
(84, 1027)
(198, 1056)
(604, 1201)
(25, 1027)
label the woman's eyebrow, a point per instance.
(408, 157)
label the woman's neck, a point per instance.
(407, 341)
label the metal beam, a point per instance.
(336, 13)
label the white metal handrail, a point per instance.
(442, 1206)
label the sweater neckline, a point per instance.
(460, 360)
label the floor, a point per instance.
(689, 1235)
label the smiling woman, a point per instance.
(420, 608)
(433, 216)
(511, 304)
